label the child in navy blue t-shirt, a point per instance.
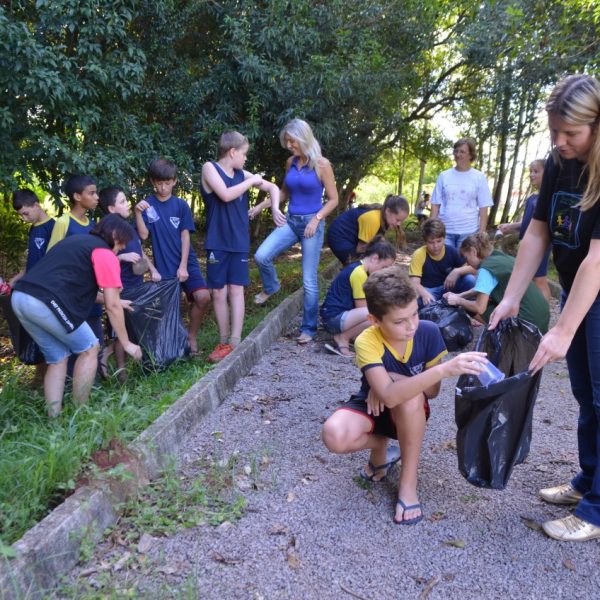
(224, 189)
(133, 265)
(27, 204)
(168, 221)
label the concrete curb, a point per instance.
(52, 547)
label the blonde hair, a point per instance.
(301, 132)
(231, 140)
(541, 162)
(576, 100)
(480, 241)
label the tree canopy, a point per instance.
(103, 86)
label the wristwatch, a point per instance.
(318, 216)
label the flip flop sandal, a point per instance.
(392, 456)
(338, 350)
(412, 521)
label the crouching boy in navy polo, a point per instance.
(401, 362)
(438, 267)
(168, 221)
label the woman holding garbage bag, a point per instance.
(568, 217)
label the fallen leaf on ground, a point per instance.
(291, 497)
(227, 560)
(455, 543)
(293, 561)
(167, 570)
(531, 523)
(145, 543)
(568, 564)
(278, 529)
(119, 564)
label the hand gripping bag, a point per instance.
(495, 421)
(453, 321)
(155, 322)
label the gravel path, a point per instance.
(312, 532)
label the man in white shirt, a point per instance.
(461, 196)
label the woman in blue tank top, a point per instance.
(308, 174)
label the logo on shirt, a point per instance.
(564, 219)
(39, 242)
(416, 369)
(175, 221)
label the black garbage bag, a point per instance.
(453, 321)
(494, 422)
(155, 323)
(25, 348)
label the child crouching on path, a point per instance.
(400, 358)
(224, 190)
(344, 312)
(168, 221)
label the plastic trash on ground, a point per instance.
(495, 421)
(453, 321)
(155, 323)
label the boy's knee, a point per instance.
(334, 437)
(92, 351)
(412, 406)
(201, 298)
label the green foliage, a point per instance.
(40, 458)
(13, 239)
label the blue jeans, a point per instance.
(463, 284)
(583, 359)
(280, 240)
(456, 239)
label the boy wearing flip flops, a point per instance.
(401, 361)
(344, 312)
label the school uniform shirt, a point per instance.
(345, 289)
(67, 279)
(67, 225)
(434, 270)
(174, 216)
(128, 277)
(571, 229)
(227, 223)
(355, 225)
(423, 351)
(38, 238)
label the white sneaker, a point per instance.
(561, 494)
(571, 529)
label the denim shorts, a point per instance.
(48, 332)
(335, 324)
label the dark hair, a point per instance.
(395, 204)
(108, 197)
(480, 241)
(76, 184)
(24, 197)
(433, 228)
(381, 248)
(162, 169)
(113, 228)
(387, 289)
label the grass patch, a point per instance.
(169, 504)
(40, 459)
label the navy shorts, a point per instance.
(194, 282)
(226, 268)
(382, 424)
